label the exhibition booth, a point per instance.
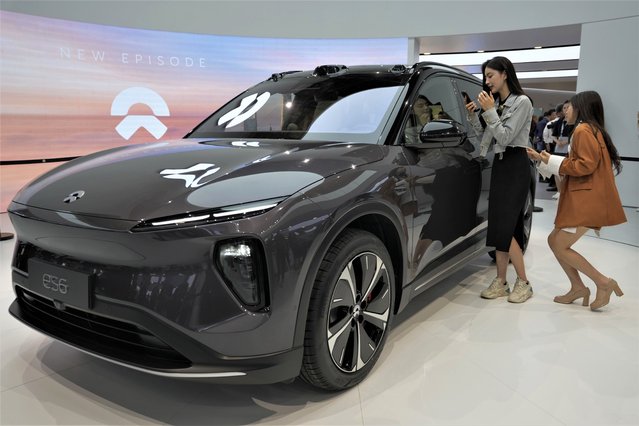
(129, 79)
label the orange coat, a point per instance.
(589, 195)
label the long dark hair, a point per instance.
(503, 64)
(589, 109)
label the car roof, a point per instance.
(330, 70)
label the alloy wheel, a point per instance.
(359, 311)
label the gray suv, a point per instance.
(279, 238)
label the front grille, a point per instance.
(112, 338)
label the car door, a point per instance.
(467, 88)
(445, 181)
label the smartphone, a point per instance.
(467, 100)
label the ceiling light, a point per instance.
(515, 56)
(542, 74)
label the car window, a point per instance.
(361, 112)
(354, 109)
(468, 91)
(435, 100)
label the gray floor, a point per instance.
(452, 359)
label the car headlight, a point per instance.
(242, 266)
(204, 217)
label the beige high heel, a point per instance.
(603, 294)
(573, 295)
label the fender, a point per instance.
(369, 207)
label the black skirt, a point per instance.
(510, 181)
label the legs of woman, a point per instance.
(576, 284)
(517, 259)
(514, 255)
(522, 290)
(572, 262)
(560, 243)
(577, 287)
(501, 259)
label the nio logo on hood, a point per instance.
(193, 175)
(74, 196)
(132, 123)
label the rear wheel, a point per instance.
(349, 313)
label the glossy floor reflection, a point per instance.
(452, 359)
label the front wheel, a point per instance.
(350, 311)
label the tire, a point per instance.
(528, 215)
(350, 311)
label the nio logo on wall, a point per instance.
(132, 123)
(192, 176)
(241, 113)
(74, 196)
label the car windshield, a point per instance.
(348, 108)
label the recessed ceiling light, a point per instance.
(537, 47)
(480, 51)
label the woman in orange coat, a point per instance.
(589, 197)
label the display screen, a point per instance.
(69, 89)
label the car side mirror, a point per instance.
(440, 133)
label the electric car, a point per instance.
(279, 238)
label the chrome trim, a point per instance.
(246, 210)
(154, 372)
(180, 221)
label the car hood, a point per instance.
(161, 179)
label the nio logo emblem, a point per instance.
(241, 113)
(53, 283)
(132, 123)
(74, 196)
(193, 175)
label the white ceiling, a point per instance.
(566, 35)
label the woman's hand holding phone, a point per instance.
(486, 100)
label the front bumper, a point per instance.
(157, 303)
(136, 339)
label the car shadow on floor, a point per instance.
(180, 401)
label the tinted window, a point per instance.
(435, 100)
(350, 108)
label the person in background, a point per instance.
(551, 143)
(533, 128)
(589, 197)
(507, 112)
(547, 132)
(561, 131)
(422, 115)
(539, 131)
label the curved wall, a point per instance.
(381, 19)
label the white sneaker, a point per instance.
(498, 288)
(522, 291)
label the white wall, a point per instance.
(609, 64)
